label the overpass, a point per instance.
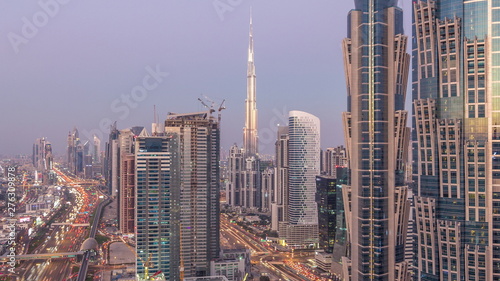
(68, 223)
(45, 256)
(82, 273)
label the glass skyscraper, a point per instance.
(456, 123)
(376, 137)
(304, 165)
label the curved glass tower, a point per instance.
(376, 136)
(303, 160)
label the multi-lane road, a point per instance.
(82, 274)
(64, 238)
(265, 259)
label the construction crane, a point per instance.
(146, 267)
(212, 105)
(211, 108)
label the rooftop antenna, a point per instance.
(155, 122)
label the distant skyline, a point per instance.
(72, 64)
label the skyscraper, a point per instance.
(279, 207)
(111, 169)
(246, 180)
(304, 165)
(157, 165)
(235, 166)
(199, 145)
(376, 137)
(250, 141)
(456, 82)
(127, 173)
(268, 182)
(327, 196)
(73, 142)
(43, 160)
(96, 150)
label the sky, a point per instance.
(85, 64)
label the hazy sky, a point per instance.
(85, 63)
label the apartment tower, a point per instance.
(376, 138)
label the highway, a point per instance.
(82, 273)
(63, 238)
(264, 258)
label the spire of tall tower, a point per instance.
(250, 129)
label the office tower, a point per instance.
(268, 183)
(304, 166)
(335, 157)
(157, 165)
(376, 138)
(251, 183)
(42, 160)
(111, 160)
(126, 206)
(109, 148)
(96, 150)
(38, 156)
(199, 144)
(279, 207)
(87, 166)
(235, 164)
(456, 139)
(250, 141)
(42, 155)
(72, 158)
(244, 180)
(50, 176)
(331, 222)
(79, 159)
(126, 171)
(326, 198)
(247, 172)
(341, 246)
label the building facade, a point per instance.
(456, 102)
(157, 181)
(234, 264)
(334, 157)
(326, 198)
(199, 153)
(43, 160)
(376, 138)
(268, 183)
(304, 165)
(279, 206)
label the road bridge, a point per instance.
(44, 256)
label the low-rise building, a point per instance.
(233, 264)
